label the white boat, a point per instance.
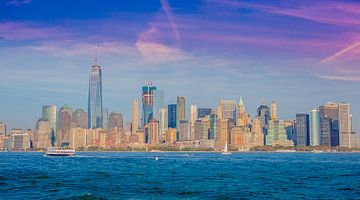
(58, 151)
(226, 152)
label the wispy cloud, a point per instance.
(340, 78)
(341, 52)
(24, 31)
(329, 12)
(167, 9)
(18, 2)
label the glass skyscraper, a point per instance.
(158, 103)
(203, 112)
(213, 126)
(172, 115)
(302, 130)
(147, 104)
(49, 113)
(95, 110)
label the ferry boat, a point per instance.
(59, 151)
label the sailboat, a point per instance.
(226, 152)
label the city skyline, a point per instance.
(47, 62)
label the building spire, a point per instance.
(96, 54)
(241, 103)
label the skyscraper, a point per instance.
(315, 127)
(331, 110)
(242, 117)
(302, 132)
(180, 110)
(2, 128)
(42, 134)
(193, 118)
(159, 98)
(153, 132)
(163, 123)
(326, 131)
(345, 126)
(49, 113)
(273, 111)
(222, 136)
(147, 103)
(227, 109)
(65, 118)
(172, 115)
(135, 116)
(184, 130)
(213, 126)
(264, 116)
(201, 129)
(95, 109)
(203, 112)
(277, 134)
(115, 121)
(105, 117)
(80, 118)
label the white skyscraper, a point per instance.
(193, 118)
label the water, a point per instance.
(180, 176)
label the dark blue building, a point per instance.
(203, 112)
(302, 133)
(172, 115)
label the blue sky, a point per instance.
(299, 53)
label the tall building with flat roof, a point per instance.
(42, 134)
(302, 132)
(315, 127)
(213, 126)
(184, 130)
(2, 128)
(227, 108)
(95, 106)
(326, 124)
(222, 133)
(115, 121)
(49, 113)
(65, 119)
(80, 118)
(159, 99)
(345, 125)
(163, 123)
(172, 115)
(135, 116)
(331, 110)
(193, 118)
(180, 110)
(203, 112)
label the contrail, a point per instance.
(166, 7)
(340, 53)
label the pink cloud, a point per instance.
(30, 31)
(348, 49)
(329, 12)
